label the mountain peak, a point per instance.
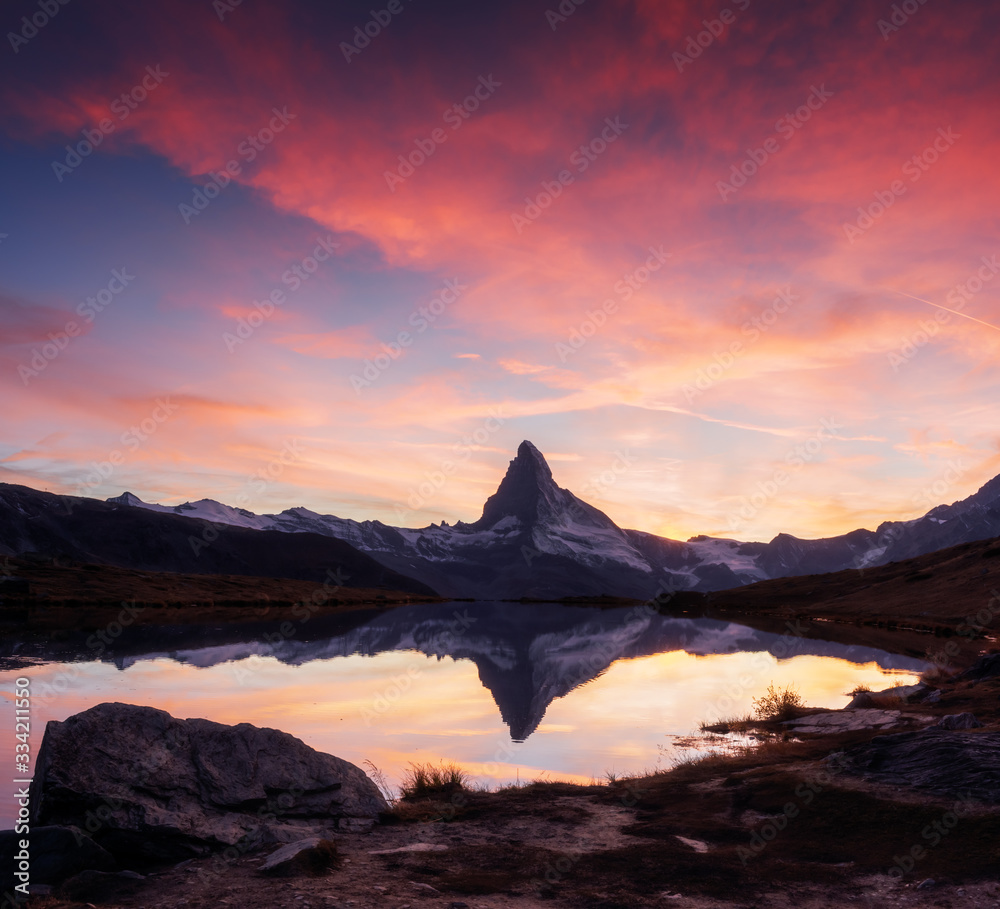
(526, 452)
(127, 498)
(528, 482)
(529, 493)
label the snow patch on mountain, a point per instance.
(530, 516)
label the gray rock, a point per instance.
(102, 886)
(954, 764)
(904, 692)
(413, 847)
(57, 853)
(844, 721)
(986, 667)
(312, 856)
(957, 721)
(148, 786)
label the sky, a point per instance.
(349, 258)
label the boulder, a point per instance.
(958, 721)
(986, 667)
(102, 886)
(904, 693)
(57, 853)
(953, 764)
(313, 856)
(149, 787)
(844, 721)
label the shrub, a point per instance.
(777, 705)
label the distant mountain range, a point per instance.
(534, 539)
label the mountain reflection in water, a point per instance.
(527, 655)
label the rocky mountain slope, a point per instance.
(534, 539)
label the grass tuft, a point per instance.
(424, 780)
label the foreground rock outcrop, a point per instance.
(148, 787)
(956, 764)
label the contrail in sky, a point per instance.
(955, 311)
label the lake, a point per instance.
(509, 691)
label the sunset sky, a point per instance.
(672, 244)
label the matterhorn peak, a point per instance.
(529, 493)
(527, 453)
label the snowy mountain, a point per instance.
(537, 539)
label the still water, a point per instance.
(509, 691)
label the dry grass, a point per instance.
(738, 724)
(378, 778)
(427, 780)
(778, 705)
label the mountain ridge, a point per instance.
(536, 539)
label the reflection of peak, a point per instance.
(527, 656)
